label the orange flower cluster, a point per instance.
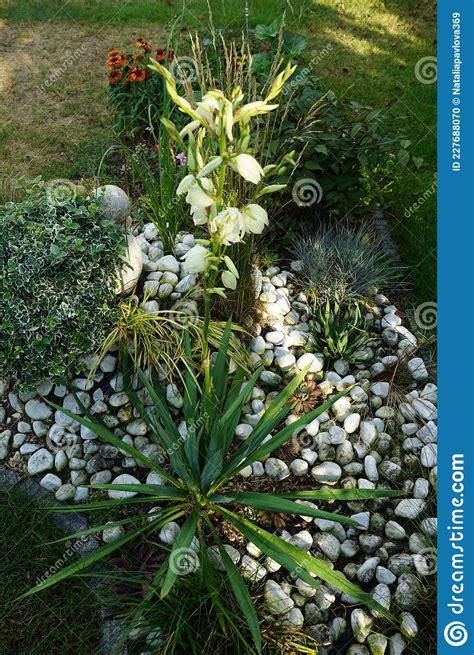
(163, 54)
(127, 66)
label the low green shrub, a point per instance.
(58, 257)
(349, 153)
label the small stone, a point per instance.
(277, 601)
(168, 263)
(368, 432)
(270, 378)
(384, 575)
(429, 455)
(299, 467)
(315, 362)
(410, 508)
(112, 534)
(408, 591)
(169, 532)
(397, 644)
(409, 626)
(366, 571)
(65, 492)
(381, 389)
(38, 410)
(394, 530)
(417, 368)
(252, 570)
(40, 462)
(124, 478)
(276, 468)
(327, 473)
(351, 423)
(216, 559)
(377, 644)
(328, 544)
(50, 482)
(361, 624)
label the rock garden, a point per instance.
(223, 381)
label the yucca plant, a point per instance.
(339, 328)
(200, 491)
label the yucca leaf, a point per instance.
(160, 517)
(280, 505)
(280, 438)
(190, 384)
(211, 470)
(111, 438)
(182, 542)
(299, 561)
(240, 590)
(160, 492)
(87, 561)
(220, 368)
(341, 494)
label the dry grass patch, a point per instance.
(54, 117)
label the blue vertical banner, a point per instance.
(456, 327)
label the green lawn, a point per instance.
(63, 620)
(66, 128)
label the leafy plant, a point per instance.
(156, 339)
(158, 171)
(137, 98)
(338, 259)
(58, 256)
(339, 329)
(200, 492)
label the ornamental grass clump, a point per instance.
(58, 257)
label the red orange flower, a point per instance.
(116, 61)
(115, 76)
(137, 74)
(160, 54)
(141, 43)
(170, 56)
